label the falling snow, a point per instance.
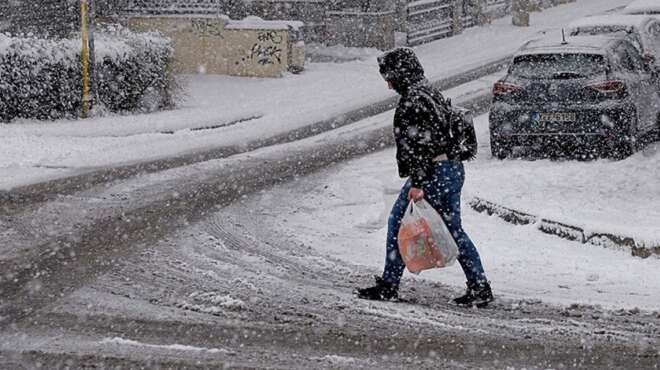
(229, 221)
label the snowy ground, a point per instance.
(343, 213)
(234, 292)
(35, 151)
(266, 283)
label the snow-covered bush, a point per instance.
(41, 78)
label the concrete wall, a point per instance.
(210, 44)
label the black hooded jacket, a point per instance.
(420, 127)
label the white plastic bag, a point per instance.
(424, 239)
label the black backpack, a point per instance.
(462, 138)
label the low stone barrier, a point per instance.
(638, 248)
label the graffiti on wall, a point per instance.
(268, 48)
(207, 27)
(269, 36)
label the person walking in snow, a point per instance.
(423, 156)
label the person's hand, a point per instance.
(415, 194)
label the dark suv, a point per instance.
(591, 94)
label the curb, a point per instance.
(565, 231)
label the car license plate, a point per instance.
(557, 117)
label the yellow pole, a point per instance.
(84, 30)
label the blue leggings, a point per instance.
(444, 194)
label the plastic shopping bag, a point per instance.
(424, 240)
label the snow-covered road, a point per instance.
(251, 287)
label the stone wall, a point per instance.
(217, 45)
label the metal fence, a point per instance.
(429, 20)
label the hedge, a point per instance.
(41, 78)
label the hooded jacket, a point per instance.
(420, 124)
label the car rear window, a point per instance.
(558, 66)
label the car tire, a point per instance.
(623, 149)
(499, 148)
(625, 146)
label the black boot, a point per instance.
(476, 295)
(382, 291)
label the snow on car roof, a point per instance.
(577, 44)
(623, 20)
(643, 7)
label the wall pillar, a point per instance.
(520, 9)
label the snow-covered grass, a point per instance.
(30, 150)
(343, 214)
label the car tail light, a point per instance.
(503, 88)
(610, 87)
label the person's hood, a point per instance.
(401, 68)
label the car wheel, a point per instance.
(624, 146)
(499, 148)
(623, 149)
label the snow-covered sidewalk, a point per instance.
(250, 108)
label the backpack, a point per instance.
(462, 138)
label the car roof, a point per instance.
(576, 44)
(643, 7)
(621, 20)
